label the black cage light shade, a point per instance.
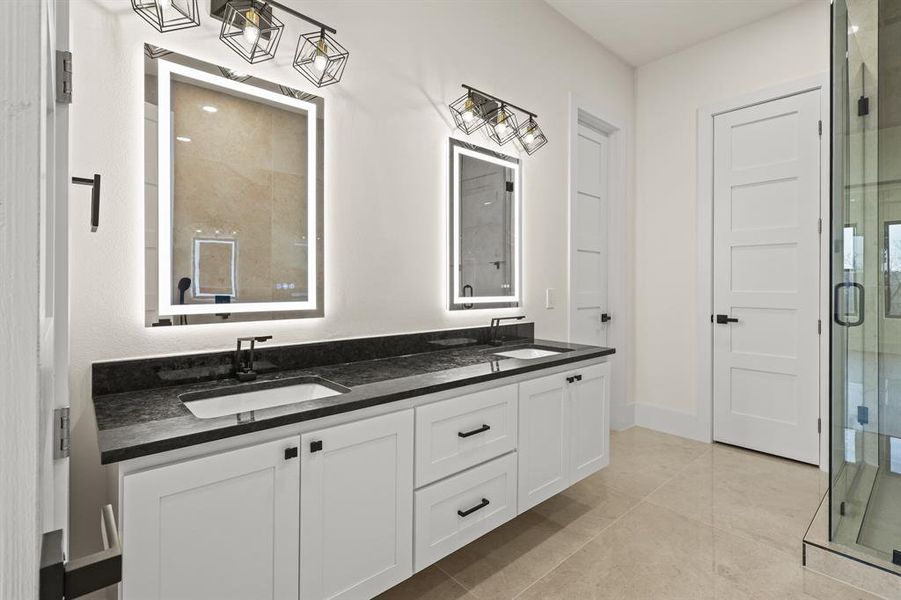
(168, 15)
(530, 136)
(251, 30)
(501, 125)
(468, 112)
(320, 58)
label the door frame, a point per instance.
(705, 173)
(622, 412)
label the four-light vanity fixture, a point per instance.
(252, 30)
(476, 109)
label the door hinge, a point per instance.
(819, 326)
(61, 438)
(819, 425)
(819, 225)
(863, 106)
(63, 77)
(820, 127)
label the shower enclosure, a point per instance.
(865, 469)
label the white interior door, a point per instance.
(589, 239)
(766, 275)
(54, 285)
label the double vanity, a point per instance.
(343, 467)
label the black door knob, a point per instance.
(605, 317)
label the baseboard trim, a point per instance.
(622, 417)
(671, 421)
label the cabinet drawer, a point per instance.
(456, 511)
(459, 433)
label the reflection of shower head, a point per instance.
(183, 284)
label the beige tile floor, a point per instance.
(668, 519)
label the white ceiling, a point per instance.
(641, 31)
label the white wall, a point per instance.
(788, 46)
(386, 129)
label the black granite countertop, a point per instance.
(139, 422)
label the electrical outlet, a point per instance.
(549, 299)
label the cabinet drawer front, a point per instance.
(460, 433)
(456, 511)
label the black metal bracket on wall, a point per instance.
(66, 580)
(94, 182)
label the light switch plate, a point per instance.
(549, 298)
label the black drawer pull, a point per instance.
(481, 429)
(315, 446)
(578, 378)
(291, 453)
(479, 506)
(570, 379)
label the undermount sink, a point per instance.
(236, 399)
(527, 353)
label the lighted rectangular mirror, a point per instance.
(484, 228)
(233, 187)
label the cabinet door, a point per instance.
(356, 508)
(543, 444)
(224, 526)
(589, 399)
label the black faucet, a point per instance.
(244, 368)
(495, 328)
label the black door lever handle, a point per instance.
(725, 319)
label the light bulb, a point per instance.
(251, 27)
(468, 111)
(320, 62)
(164, 4)
(529, 139)
(501, 129)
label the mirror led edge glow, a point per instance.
(458, 299)
(164, 150)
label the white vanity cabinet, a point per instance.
(223, 526)
(563, 431)
(356, 508)
(350, 505)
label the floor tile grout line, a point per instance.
(466, 589)
(641, 500)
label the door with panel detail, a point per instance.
(543, 443)
(356, 508)
(589, 398)
(766, 277)
(223, 526)
(589, 239)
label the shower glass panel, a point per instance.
(865, 490)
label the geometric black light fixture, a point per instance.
(320, 58)
(168, 15)
(468, 111)
(250, 28)
(477, 109)
(501, 125)
(530, 136)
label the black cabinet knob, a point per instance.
(291, 453)
(316, 446)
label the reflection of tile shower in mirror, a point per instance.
(484, 228)
(254, 194)
(486, 209)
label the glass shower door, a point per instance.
(865, 490)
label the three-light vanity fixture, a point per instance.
(476, 110)
(253, 31)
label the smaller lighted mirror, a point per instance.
(484, 228)
(233, 183)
